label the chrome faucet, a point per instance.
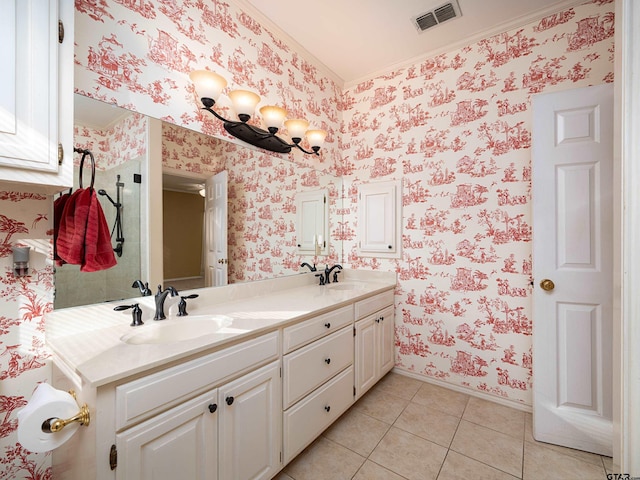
(160, 297)
(145, 291)
(327, 272)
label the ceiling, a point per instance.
(357, 39)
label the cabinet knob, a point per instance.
(327, 361)
(382, 319)
(328, 325)
(229, 400)
(327, 408)
(378, 320)
(213, 407)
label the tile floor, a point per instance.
(407, 429)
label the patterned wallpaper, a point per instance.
(262, 201)
(455, 128)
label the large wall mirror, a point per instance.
(134, 154)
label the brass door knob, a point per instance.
(547, 285)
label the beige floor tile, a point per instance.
(491, 447)
(399, 385)
(441, 399)
(542, 463)
(495, 416)
(459, 467)
(381, 405)
(282, 476)
(428, 423)
(579, 454)
(325, 460)
(408, 455)
(357, 431)
(373, 471)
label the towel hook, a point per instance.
(86, 153)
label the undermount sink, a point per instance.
(177, 330)
(346, 286)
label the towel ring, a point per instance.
(86, 153)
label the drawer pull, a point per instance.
(213, 407)
(328, 325)
(229, 400)
(327, 361)
(327, 408)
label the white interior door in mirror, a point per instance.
(217, 263)
(312, 229)
(379, 219)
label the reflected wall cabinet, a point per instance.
(312, 228)
(379, 218)
(36, 94)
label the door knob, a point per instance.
(547, 285)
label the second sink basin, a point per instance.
(177, 330)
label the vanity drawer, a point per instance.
(147, 396)
(373, 304)
(304, 332)
(309, 367)
(307, 419)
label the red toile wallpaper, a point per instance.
(457, 130)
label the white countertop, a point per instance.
(88, 340)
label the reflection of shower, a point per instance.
(117, 224)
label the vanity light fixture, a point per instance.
(209, 86)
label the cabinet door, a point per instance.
(379, 219)
(365, 357)
(36, 114)
(180, 443)
(250, 431)
(386, 340)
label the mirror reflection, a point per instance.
(260, 217)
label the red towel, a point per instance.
(83, 234)
(58, 207)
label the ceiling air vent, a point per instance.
(437, 16)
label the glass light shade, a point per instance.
(273, 116)
(244, 102)
(296, 127)
(316, 137)
(207, 84)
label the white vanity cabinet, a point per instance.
(317, 377)
(36, 94)
(216, 416)
(374, 342)
(229, 432)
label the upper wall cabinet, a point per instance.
(312, 230)
(379, 219)
(36, 95)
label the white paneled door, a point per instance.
(572, 268)
(217, 264)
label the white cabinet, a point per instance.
(250, 425)
(379, 219)
(36, 94)
(374, 343)
(230, 432)
(317, 377)
(312, 228)
(180, 443)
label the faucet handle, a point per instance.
(335, 276)
(321, 277)
(136, 313)
(182, 306)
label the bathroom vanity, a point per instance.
(235, 390)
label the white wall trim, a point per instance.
(467, 391)
(627, 334)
